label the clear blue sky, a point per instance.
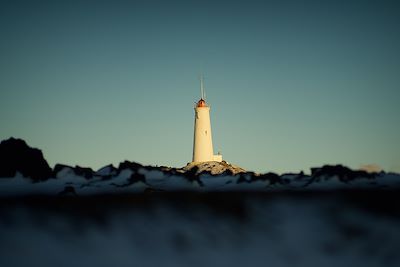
(292, 84)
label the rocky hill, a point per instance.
(213, 168)
(17, 156)
(24, 171)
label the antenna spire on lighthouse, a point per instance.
(202, 92)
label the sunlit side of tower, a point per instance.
(202, 141)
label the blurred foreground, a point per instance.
(335, 228)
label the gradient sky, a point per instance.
(291, 84)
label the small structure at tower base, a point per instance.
(218, 158)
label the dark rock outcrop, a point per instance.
(106, 172)
(84, 172)
(133, 166)
(59, 167)
(342, 173)
(192, 176)
(136, 177)
(16, 155)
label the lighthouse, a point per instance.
(202, 141)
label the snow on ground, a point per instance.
(15, 185)
(110, 181)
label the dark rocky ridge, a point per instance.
(16, 155)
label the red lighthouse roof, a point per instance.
(201, 103)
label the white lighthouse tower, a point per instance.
(202, 141)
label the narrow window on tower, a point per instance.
(206, 132)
